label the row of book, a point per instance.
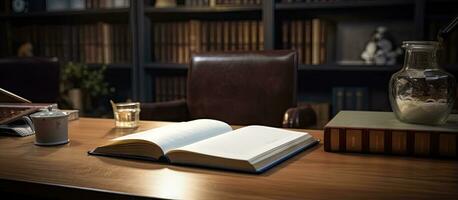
(175, 41)
(349, 98)
(169, 88)
(221, 2)
(87, 43)
(310, 38)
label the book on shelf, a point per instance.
(382, 132)
(338, 99)
(226, 35)
(260, 35)
(233, 35)
(169, 88)
(252, 41)
(165, 3)
(100, 43)
(311, 38)
(349, 98)
(316, 28)
(175, 41)
(239, 42)
(211, 143)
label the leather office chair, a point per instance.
(240, 88)
(36, 79)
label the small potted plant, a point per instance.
(80, 85)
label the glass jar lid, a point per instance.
(420, 44)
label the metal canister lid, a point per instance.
(48, 113)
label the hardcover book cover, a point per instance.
(382, 132)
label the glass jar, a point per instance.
(422, 92)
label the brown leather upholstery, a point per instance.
(242, 87)
(300, 117)
(165, 111)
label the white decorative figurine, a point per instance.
(380, 49)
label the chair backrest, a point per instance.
(36, 79)
(242, 87)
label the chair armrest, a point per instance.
(165, 111)
(300, 117)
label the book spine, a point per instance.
(246, 35)
(394, 142)
(174, 42)
(181, 46)
(226, 35)
(261, 35)
(322, 53)
(212, 36)
(337, 99)
(233, 35)
(308, 42)
(253, 35)
(204, 40)
(168, 42)
(186, 43)
(299, 40)
(240, 31)
(316, 41)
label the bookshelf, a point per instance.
(97, 34)
(408, 19)
(412, 16)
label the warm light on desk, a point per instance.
(172, 184)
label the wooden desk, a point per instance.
(67, 171)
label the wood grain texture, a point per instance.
(376, 141)
(68, 172)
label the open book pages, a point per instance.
(251, 149)
(155, 143)
(211, 143)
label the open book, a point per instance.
(211, 143)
